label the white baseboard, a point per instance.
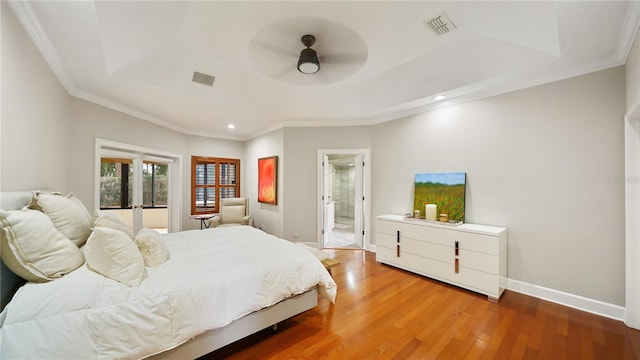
(575, 301)
(559, 297)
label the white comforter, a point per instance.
(213, 277)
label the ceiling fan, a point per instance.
(308, 63)
(332, 52)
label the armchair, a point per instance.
(233, 212)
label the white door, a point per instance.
(326, 199)
(119, 184)
(155, 188)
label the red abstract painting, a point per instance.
(268, 180)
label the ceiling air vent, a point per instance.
(440, 24)
(203, 79)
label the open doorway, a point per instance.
(341, 202)
(342, 212)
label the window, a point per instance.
(213, 179)
(116, 184)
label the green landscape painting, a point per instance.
(446, 190)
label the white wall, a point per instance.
(632, 68)
(546, 162)
(34, 116)
(300, 174)
(268, 217)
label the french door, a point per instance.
(135, 185)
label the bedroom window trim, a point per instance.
(217, 185)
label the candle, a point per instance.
(430, 212)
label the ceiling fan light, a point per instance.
(308, 62)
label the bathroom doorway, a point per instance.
(342, 188)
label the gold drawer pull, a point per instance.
(457, 261)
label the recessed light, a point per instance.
(438, 97)
(231, 126)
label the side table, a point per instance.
(203, 219)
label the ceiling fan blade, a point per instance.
(282, 73)
(342, 58)
(323, 76)
(275, 49)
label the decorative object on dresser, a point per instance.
(443, 192)
(470, 256)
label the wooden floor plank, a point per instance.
(386, 313)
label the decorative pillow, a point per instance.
(34, 249)
(113, 222)
(232, 213)
(111, 253)
(68, 214)
(153, 247)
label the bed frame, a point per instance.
(199, 345)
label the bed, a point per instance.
(217, 286)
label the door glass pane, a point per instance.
(110, 185)
(154, 185)
(116, 183)
(155, 191)
(116, 187)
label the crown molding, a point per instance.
(630, 28)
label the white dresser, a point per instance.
(471, 256)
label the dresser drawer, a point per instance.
(479, 261)
(477, 242)
(471, 279)
(421, 248)
(435, 235)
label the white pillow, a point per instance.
(153, 247)
(34, 249)
(67, 213)
(114, 222)
(111, 253)
(232, 213)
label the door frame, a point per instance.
(174, 205)
(366, 181)
(632, 212)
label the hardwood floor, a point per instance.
(385, 313)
